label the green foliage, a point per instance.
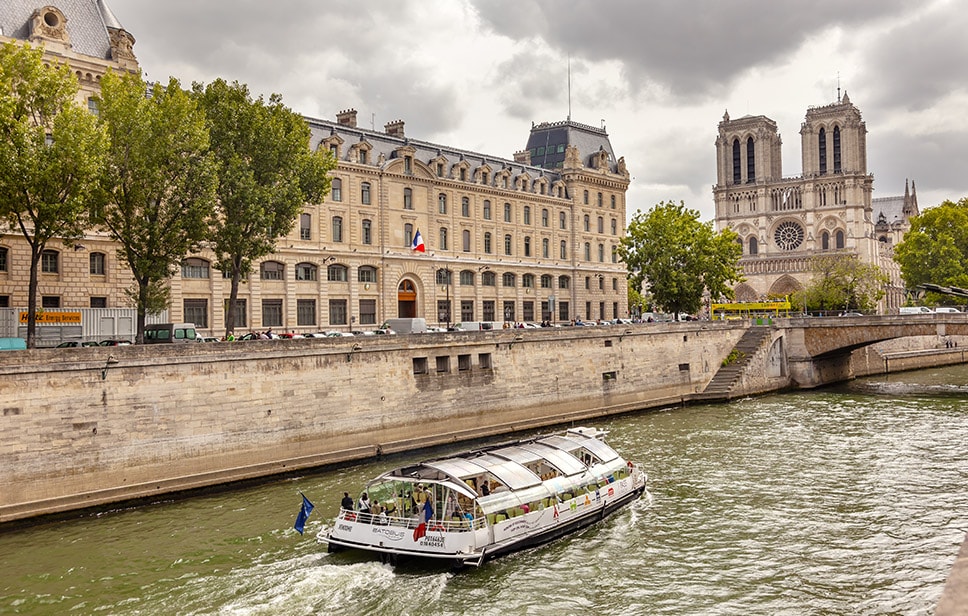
(734, 356)
(158, 188)
(679, 257)
(935, 250)
(842, 282)
(51, 152)
(267, 173)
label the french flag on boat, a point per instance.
(418, 243)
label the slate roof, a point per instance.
(588, 139)
(87, 23)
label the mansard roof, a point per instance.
(588, 139)
(88, 22)
(386, 145)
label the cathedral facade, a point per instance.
(504, 238)
(784, 222)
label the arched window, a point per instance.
(614, 227)
(754, 245)
(3, 259)
(98, 264)
(443, 238)
(588, 251)
(601, 253)
(465, 240)
(564, 282)
(527, 214)
(737, 172)
(442, 203)
(750, 161)
(546, 281)
(527, 246)
(527, 281)
(508, 243)
(837, 167)
(467, 278)
(367, 231)
(366, 273)
(336, 189)
(545, 248)
(839, 240)
(562, 221)
(487, 242)
(507, 212)
(507, 279)
(191, 268)
(336, 273)
(486, 210)
(407, 199)
(822, 143)
(408, 234)
(587, 223)
(824, 241)
(272, 270)
(443, 276)
(601, 225)
(563, 250)
(306, 271)
(337, 228)
(465, 207)
(544, 218)
(488, 279)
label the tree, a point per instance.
(679, 256)
(159, 182)
(935, 250)
(267, 173)
(51, 152)
(842, 282)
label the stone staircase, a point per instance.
(722, 383)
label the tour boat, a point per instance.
(481, 504)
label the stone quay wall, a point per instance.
(90, 426)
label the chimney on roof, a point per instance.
(347, 118)
(394, 128)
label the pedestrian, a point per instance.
(347, 502)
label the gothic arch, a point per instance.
(745, 293)
(784, 285)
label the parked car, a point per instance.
(114, 342)
(73, 344)
(851, 314)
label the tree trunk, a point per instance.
(35, 253)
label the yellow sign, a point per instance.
(751, 306)
(52, 317)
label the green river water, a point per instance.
(841, 501)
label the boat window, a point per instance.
(566, 463)
(508, 472)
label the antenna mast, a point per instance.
(569, 87)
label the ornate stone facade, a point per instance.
(784, 222)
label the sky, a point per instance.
(657, 74)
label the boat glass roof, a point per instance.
(566, 463)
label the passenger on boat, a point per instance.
(364, 504)
(485, 489)
(347, 502)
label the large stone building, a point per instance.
(527, 238)
(784, 222)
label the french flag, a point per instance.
(417, 244)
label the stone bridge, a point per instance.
(817, 350)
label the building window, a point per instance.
(750, 161)
(336, 189)
(336, 273)
(466, 310)
(839, 240)
(824, 241)
(305, 227)
(487, 243)
(487, 210)
(737, 170)
(527, 281)
(196, 311)
(587, 283)
(240, 312)
(443, 277)
(614, 227)
(822, 144)
(509, 310)
(272, 270)
(788, 235)
(545, 248)
(601, 253)
(614, 254)
(3, 259)
(443, 238)
(507, 212)
(305, 312)
(507, 279)
(97, 264)
(49, 261)
(507, 244)
(5, 301)
(366, 273)
(527, 311)
(837, 167)
(99, 302)
(306, 271)
(407, 235)
(407, 199)
(50, 301)
(588, 251)
(465, 207)
(467, 278)
(563, 254)
(754, 245)
(367, 229)
(544, 218)
(191, 268)
(615, 285)
(600, 202)
(585, 197)
(463, 174)
(488, 279)
(527, 215)
(564, 282)
(272, 313)
(364, 191)
(587, 223)
(337, 312)
(420, 365)
(440, 170)
(466, 240)
(527, 246)
(562, 221)
(408, 165)
(443, 363)
(488, 310)
(601, 225)
(363, 156)
(337, 228)
(442, 203)
(368, 312)
(613, 202)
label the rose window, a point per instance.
(788, 235)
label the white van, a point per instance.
(914, 310)
(161, 333)
(946, 309)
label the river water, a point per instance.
(841, 501)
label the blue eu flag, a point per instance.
(304, 511)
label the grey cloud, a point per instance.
(693, 48)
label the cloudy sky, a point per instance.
(658, 74)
